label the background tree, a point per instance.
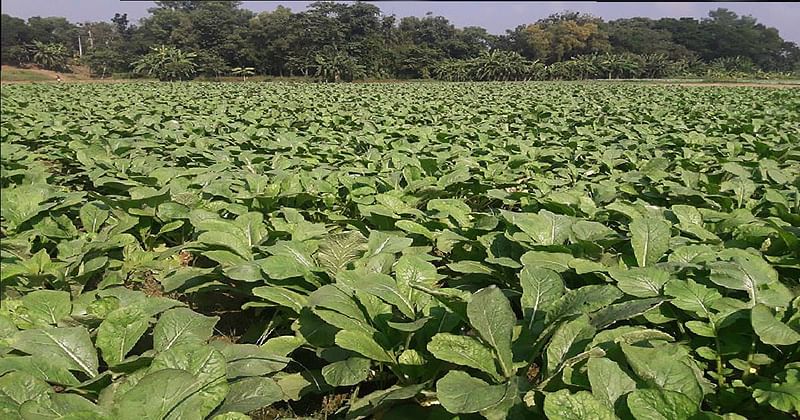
(103, 61)
(210, 64)
(640, 36)
(560, 36)
(282, 42)
(14, 35)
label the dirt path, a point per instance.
(12, 74)
(736, 84)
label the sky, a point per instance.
(496, 17)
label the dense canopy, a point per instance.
(362, 41)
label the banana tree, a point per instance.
(49, 56)
(167, 63)
(654, 66)
(243, 71)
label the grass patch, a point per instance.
(22, 75)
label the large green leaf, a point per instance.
(381, 242)
(649, 239)
(45, 307)
(60, 406)
(458, 392)
(281, 296)
(20, 387)
(562, 405)
(659, 404)
(157, 396)
(72, 346)
(490, 314)
(181, 326)
(585, 299)
(609, 382)
(364, 345)
(346, 372)
(46, 369)
(388, 290)
(463, 350)
(784, 396)
(771, 330)
(640, 281)
(250, 394)
(662, 367)
(339, 250)
(120, 331)
(208, 386)
(756, 277)
(540, 289)
(252, 360)
(566, 341)
(691, 296)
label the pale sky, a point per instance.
(496, 17)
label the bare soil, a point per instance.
(736, 84)
(12, 74)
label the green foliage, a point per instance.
(49, 56)
(491, 250)
(333, 65)
(166, 64)
(243, 71)
(104, 61)
(354, 41)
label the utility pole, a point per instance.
(80, 47)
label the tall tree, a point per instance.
(559, 37)
(639, 36)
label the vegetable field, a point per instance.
(395, 251)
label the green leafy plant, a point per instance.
(438, 250)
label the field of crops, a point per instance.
(396, 251)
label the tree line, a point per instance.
(336, 41)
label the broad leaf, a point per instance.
(363, 345)
(182, 326)
(69, 345)
(659, 404)
(458, 392)
(771, 330)
(346, 372)
(649, 239)
(463, 350)
(609, 382)
(490, 314)
(582, 405)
